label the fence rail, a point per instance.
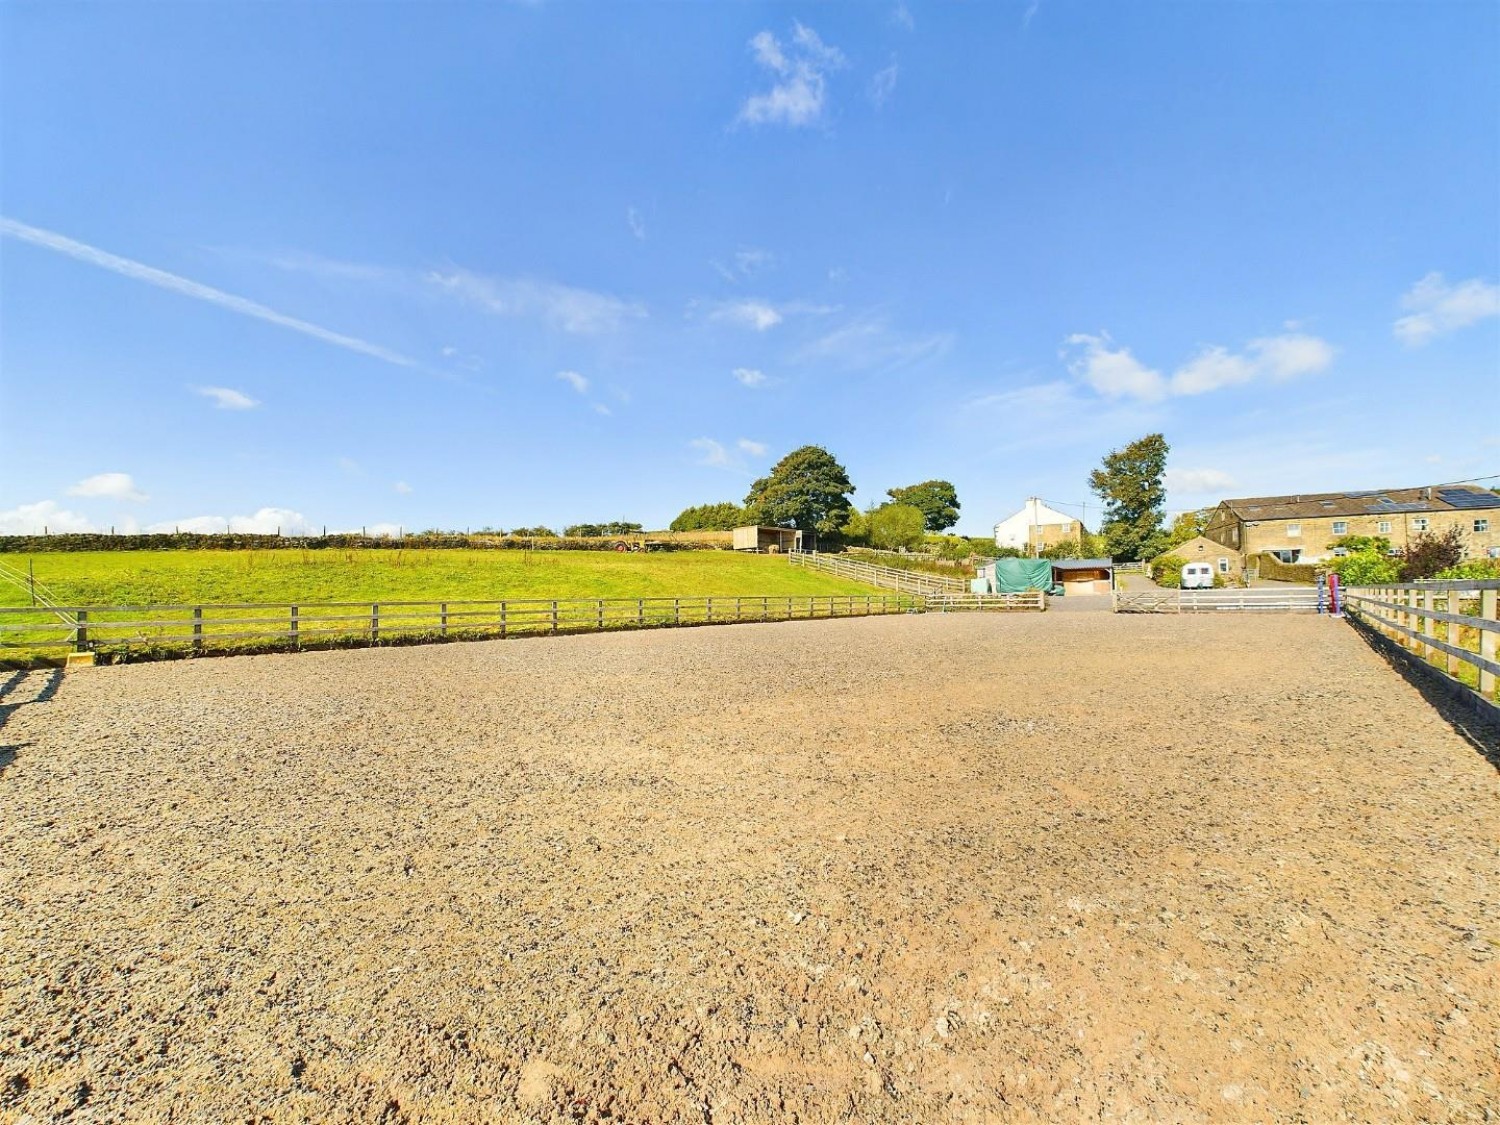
(1462, 639)
(957, 603)
(881, 577)
(1287, 599)
(183, 629)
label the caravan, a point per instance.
(1197, 576)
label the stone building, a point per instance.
(1303, 528)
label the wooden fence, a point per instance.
(881, 577)
(123, 631)
(1461, 640)
(958, 603)
(1267, 599)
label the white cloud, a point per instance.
(636, 223)
(115, 486)
(186, 288)
(1111, 371)
(799, 70)
(748, 314)
(1197, 480)
(266, 521)
(1116, 373)
(883, 84)
(225, 398)
(750, 376)
(869, 342)
(578, 382)
(44, 516)
(901, 16)
(1286, 357)
(753, 448)
(712, 453)
(402, 487)
(1436, 307)
(564, 307)
(1031, 10)
(600, 408)
(351, 466)
(383, 530)
(1210, 369)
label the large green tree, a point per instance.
(1130, 484)
(806, 489)
(724, 516)
(1188, 525)
(894, 526)
(937, 500)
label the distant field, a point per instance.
(176, 577)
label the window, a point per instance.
(1341, 527)
(1493, 552)
(1384, 527)
(1419, 524)
(1340, 552)
(1481, 525)
(1223, 566)
(1293, 530)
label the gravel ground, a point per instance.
(963, 868)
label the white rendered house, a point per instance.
(1035, 525)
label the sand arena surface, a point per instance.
(961, 868)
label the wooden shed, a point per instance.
(767, 539)
(1084, 576)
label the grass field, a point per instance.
(156, 578)
(180, 577)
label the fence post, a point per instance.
(1454, 637)
(1429, 626)
(81, 631)
(296, 641)
(1489, 640)
(676, 611)
(443, 618)
(197, 628)
(708, 609)
(765, 609)
(737, 609)
(503, 608)
(375, 624)
(599, 616)
(640, 611)
(554, 615)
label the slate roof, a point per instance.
(1083, 564)
(1379, 502)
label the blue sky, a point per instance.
(379, 265)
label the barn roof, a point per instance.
(1378, 502)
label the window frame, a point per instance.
(1337, 524)
(1420, 523)
(1481, 525)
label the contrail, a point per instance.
(164, 280)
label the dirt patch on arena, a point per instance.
(925, 868)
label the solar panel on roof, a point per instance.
(1465, 498)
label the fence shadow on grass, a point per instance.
(1470, 719)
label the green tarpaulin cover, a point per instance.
(1016, 576)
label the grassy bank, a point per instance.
(182, 577)
(307, 578)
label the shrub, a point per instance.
(1474, 568)
(1366, 568)
(1427, 554)
(1166, 571)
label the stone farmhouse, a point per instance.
(1302, 528)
